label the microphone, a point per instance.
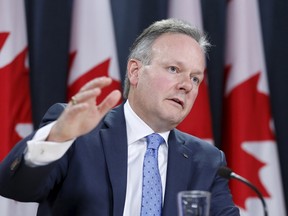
(227, 173)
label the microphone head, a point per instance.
(224, 172)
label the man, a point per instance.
(88, 160)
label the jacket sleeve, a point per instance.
(30, 184)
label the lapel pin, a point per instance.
(185, 155)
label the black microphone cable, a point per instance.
(227, 173)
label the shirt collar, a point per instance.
(136, 128)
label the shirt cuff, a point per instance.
(40, 152)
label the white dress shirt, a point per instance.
(40, 152)
(137, 130)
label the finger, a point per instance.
(109, 102)
(98, 82)
(85, 96)
(72, 111)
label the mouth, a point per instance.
(178, 101)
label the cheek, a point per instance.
(163, 82)
(157, 84)
(192, 97)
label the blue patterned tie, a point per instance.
(152, 186)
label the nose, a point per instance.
(185, 83)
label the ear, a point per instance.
(134, 67)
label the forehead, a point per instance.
(174, 38)
(177, 46)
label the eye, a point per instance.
(195, 80)
(173, 69)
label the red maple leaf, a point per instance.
(247, 118)
(198, 121)
(3, 37)
(15, 96)
(99, 70)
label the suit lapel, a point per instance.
(179, 167)
(114, 140)
(179, 171)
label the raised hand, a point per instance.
(82, 113)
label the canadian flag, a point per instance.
(249, 139)
(15, 109)
(198, 122)
(93, 46)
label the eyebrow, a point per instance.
(182, 65)
(198, 73)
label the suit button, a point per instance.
(15, 164)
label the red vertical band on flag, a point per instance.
(248, 136)
(15, 107)
(15, 110)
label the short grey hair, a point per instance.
(142, 47)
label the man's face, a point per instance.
(163, 93)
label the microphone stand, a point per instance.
(227, 173)
(248, 183)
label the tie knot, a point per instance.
(154, 141)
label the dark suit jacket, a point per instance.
(90, 179)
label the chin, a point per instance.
(175, 121)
